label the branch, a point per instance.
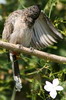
(40, 54)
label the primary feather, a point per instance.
(44, 33)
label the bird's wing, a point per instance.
(44, 33)
(9, 24)
(8, 29)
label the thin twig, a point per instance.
(37, 71)
(13, 94)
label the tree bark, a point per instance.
(40, 54)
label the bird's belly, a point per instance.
(26, 38)
(22, 37)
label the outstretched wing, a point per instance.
(44, 33)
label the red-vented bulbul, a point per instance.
(28, 27)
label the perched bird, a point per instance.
(28, 27)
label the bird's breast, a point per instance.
(26, 36)
(21, 36)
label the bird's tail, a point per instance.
(16, 72)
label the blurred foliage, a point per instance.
(34, 71)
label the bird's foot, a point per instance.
(20, 46)
(32, 49)
(18, 84)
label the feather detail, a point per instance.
(44, 33)
(16, 72)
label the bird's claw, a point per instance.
(20, 46)
(32, 49)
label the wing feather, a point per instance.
(9, 24)
(8, 29)
(44, 33)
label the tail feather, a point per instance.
(16, 72)
(16, 66)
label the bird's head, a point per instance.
(31, 14)
(34, 11)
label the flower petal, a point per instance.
(53, 94)
(49, 86)
(59, 88)
(48, 83)
(55, 82)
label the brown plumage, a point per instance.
(30, 27)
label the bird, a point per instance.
(29, 27)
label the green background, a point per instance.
(34, 71)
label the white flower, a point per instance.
(53, 87)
